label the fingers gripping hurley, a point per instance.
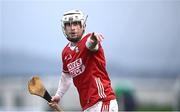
(36, 87)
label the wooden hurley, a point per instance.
(36, 87)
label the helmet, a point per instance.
(71, 16)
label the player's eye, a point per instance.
(75, 23)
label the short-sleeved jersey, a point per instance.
(88, 69)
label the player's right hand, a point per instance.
(54, 102)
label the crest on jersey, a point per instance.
(77, 49)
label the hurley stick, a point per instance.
(36, 87)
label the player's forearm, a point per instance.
(64, 84)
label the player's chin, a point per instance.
(74, 39)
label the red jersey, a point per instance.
(89, 73)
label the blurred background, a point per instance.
(142, 50)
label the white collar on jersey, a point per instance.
(72, 45)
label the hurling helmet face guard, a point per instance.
(73, 16)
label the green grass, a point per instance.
(152, 107)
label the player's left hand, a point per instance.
(96, 37)
(99, 37)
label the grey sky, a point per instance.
(138, 34)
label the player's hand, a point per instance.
(99, 37)
(54, 102)
(96, 37)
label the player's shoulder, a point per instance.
(65, 49)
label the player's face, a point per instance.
(74, 31)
